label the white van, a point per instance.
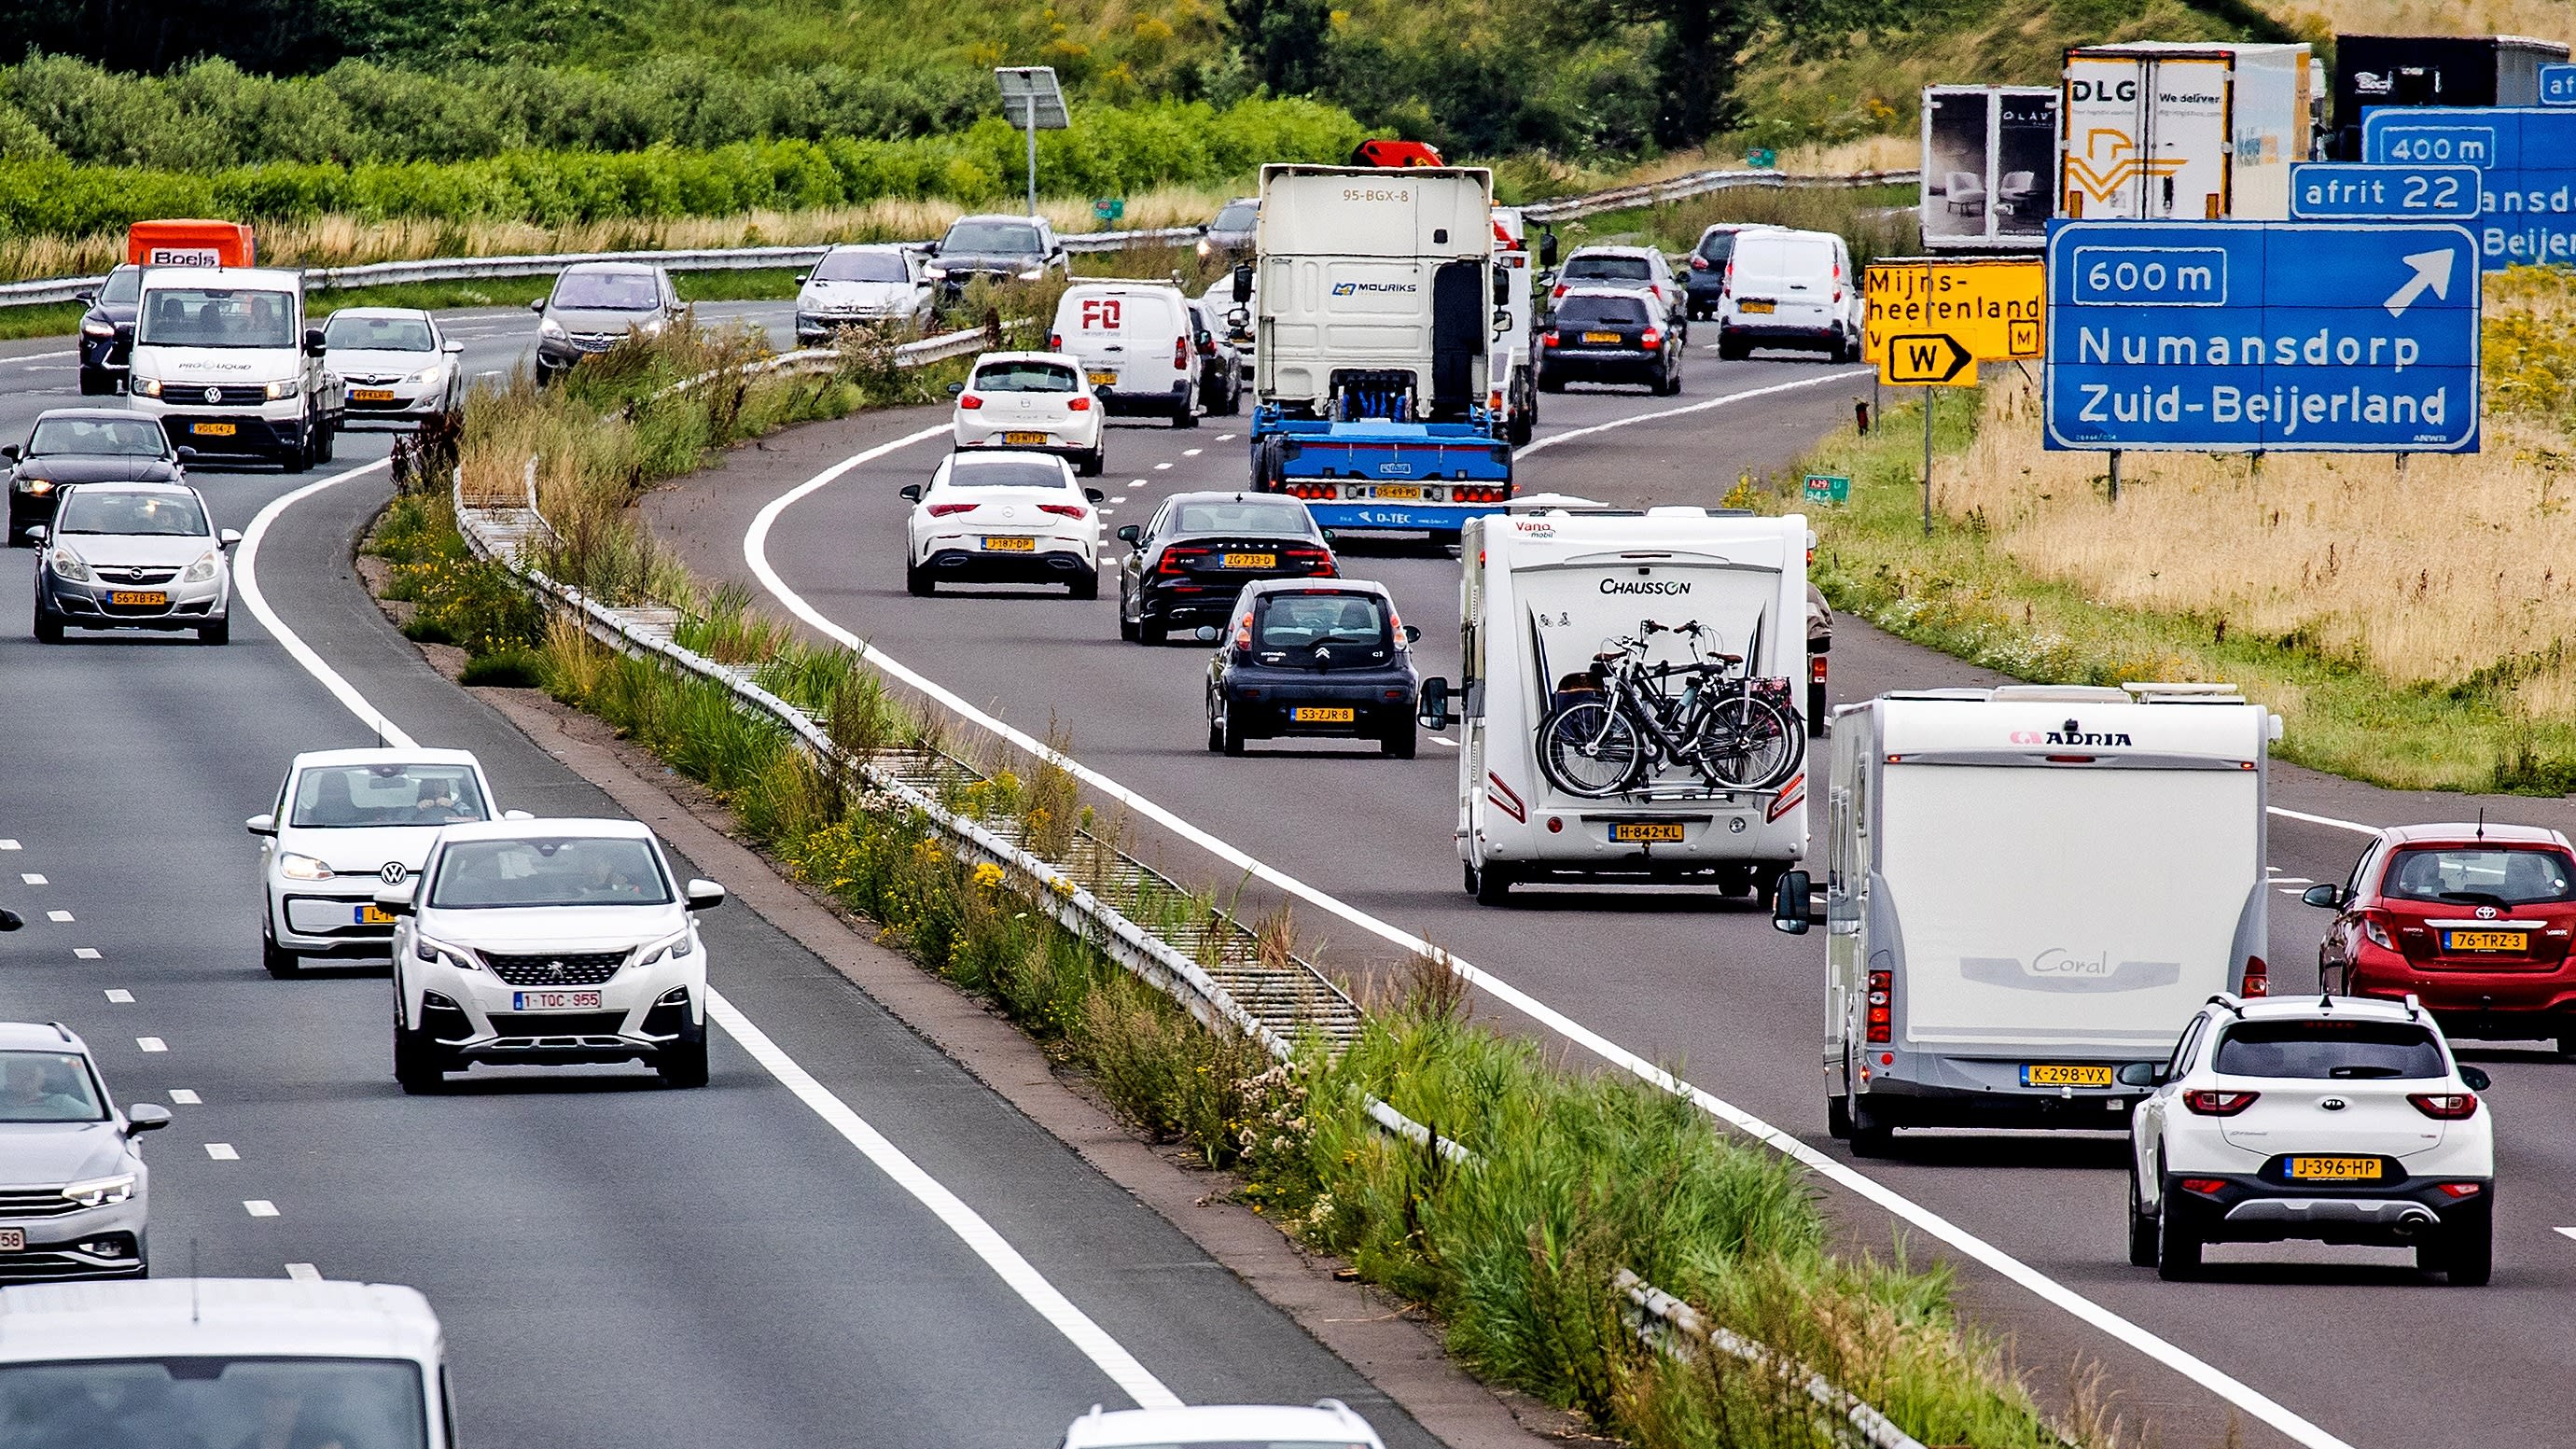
(222, 357)
(1133, 340)
(1790, 289)
(223, 1361)
(1542, 596)
(2027, 889)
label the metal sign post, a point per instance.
(1032, 100)
(1928, 398)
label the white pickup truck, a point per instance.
(225, 358)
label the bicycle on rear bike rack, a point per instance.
(1638, 720)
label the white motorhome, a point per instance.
(2168, 131)
(1542, 595)
(2028, 888)
(224, 360)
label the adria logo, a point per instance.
(2072, 733)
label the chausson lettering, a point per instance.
(1645, 586)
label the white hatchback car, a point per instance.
(548, 941)
(1003, 518)
(1328, 1424)
(346, 822)
(2335, 1118)
(1031, 402)
(862, 286)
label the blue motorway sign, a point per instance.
(2558, 85)
(2350, 191)
(2262, 336)
(2527, 156)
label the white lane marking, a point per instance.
(2354, 826)
(1225, 437)
(1117, 497)
(185, 1098)
(2566, 1232)
(8, 845)
(84, 953)
(259, 1207)
(303, 1272)
(2291, 879)
(1140, 482)
(59, 917)
(31, 878)
(1444, 740)
(1162, 467)
(246, 580)
(969, 1225)
(222, 1152)
(2288, 892)
(119, 996)
(1192, 452)
(755, 552)
(1552, 439)
(151, 1044)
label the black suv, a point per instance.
(102, 352)
(1003, 248)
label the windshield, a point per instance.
(378, 334)
(48, 1087)
(357, 797)
(991, 236)
(862, 266)
(1626, 310)
(480, 874)
(2328, 1049)
(121, 437)
(1246, 517)
(1304, 621)
(1607, 269)
(1237, 216)
(124, 284)
(185, 1403)
(206, 317)
(1026, 377)
(2485, 876)
(1005, 473)
(608, 291)
(89, 510)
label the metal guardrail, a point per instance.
(1701, 183)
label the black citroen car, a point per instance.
(1185, 567)
(1325, 659)
(83, 445)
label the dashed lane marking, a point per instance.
(151, 1044)
(303, 1272)
(120, 996)
(31, 878)
(1162, 467)
(185, 1098)
(84, 953)
(8, 845)
(259, 1207)
(59, 917)
(222, 1152)
(1192, 452)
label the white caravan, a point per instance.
(1542, 595)
(2028, 888)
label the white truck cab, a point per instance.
(223, 1361)
(226, 360)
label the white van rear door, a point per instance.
(1793, 272)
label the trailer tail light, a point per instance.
(1077, 404)
(943, 510)
(969, 401)
(2445, 1106)
(1816, 670)
(1311, 490)
(1473, 493)
(2258, 977)
(1882, 1018)
(1181, 353)
(2218, 1104)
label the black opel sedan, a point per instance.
(1328, 659)
(83, 445)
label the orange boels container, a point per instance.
(188, 244)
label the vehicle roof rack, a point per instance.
(2057, 694)
(2414, 1008)
(2227, 1000)
(2184, 692)
(61, 1030)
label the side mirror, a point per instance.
(187, 454)
(10, 920)
(1095, 495)
(910, 492)
(86, 299)
(1329, 535)
(228, 537)
(1129, 533)
(1243, 284)
(451, 345)
(1205, 633)
(37, 533)
(261, 825)
(803, 277)
(125, 334)
(705, 895)
(1502, 320)
(1412, 635)
(538, 305)
(1431, 708)
(1547, 250)
(1793, 910)
(313, 345)
(1238, 318)
(10, 452)
(145, 1117)
(2476, 1078)
(518, 815)
(2325, 897)
(395, 900)
(956, 389)
(2140, 1074)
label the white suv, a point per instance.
(345, 823)
(548, 941)
(1330, 1424)
(2335, 1118)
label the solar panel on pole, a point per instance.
(1033, 101)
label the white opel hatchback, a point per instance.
(2336, 1119)
(1003, 518)
(1031, 402)
(548, 941)
(345, 823)
(1328, 1424)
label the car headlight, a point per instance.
(67, 565)
(427, 374)
(1205, 247)
(38, 486)
(301, 867)
(98, 329)
(201, 571)
(935, 272)
(1032, 274)
(434, 951)
(144, 386)
(650, 329)
(549, 327)
(100, 1191)
(286, 387)
(675, 948)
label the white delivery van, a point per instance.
(223, 1361)
(2026, 889)
(2167, 131)
(1514, 392)
(1133, 340)
(223, 358)
(1790, 289)
(1546, 595)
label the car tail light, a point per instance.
(1559, 293)
(1816, 670)
(1243, 631)
(1316, 560)
(1055, 342)
(2445, 1106)
(2218, 1104)
(2375, 931)
(1180, 354)
(1650, 339)
(2205, 1186)
(1077, 405)
(1882, 1003)
(2258, 977)
(969, 401)
(1065, 510)
(2463, 1189)
(1177, 560)
(943, 510)
(1548, 340)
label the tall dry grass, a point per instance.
(2547, 19)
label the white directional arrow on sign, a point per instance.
(2432, 273)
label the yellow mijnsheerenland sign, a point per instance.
(1934, 309)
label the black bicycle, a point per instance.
(1624, 720)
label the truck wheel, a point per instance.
(2142, 1228)
(1838, 1118)
(1492, 886)
(1269, 465)
(2177, 1249)
(1870, 1137)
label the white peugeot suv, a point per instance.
(548, 941)
(345, 823)
(2332, 1118)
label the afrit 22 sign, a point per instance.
(2526, 162)
(2262, 336)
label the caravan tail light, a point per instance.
(2258, 977)
(1816, 669)
(1882, 1020)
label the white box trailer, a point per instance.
(1540, 595)
(2166, 131)
(2026, 889)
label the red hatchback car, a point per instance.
(2473, 921)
